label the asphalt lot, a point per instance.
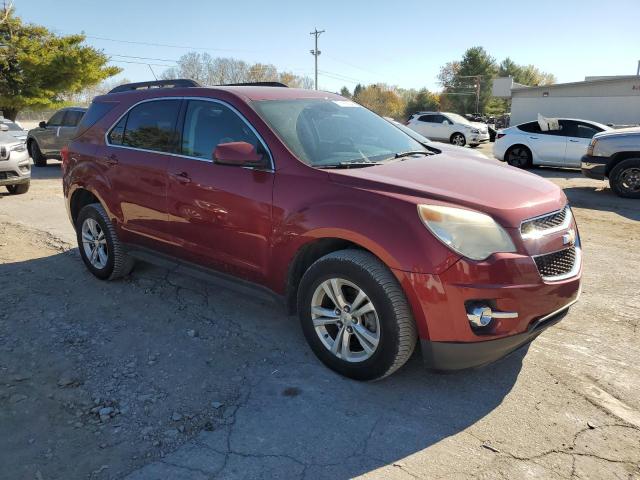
(165, 376)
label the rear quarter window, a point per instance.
(96, 111)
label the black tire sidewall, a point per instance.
(614, 178)
(385, 354)
(464, 139)
(90, 212)
(36, 155)
(527, 163)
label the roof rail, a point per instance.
(175, 83)
(255, 84)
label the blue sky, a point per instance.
(401, 43)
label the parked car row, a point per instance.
(449, 127)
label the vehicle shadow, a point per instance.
(216, 344)
(51, 171)
(592, 194)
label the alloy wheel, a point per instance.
(630, 179)
(518, 157)
(458, 140)
(345, 320)
(94, 243)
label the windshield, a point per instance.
(455, 118)
(323, 132)
(12, 126)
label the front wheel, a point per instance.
(39, 160)
(458, 139)
(18, 189)
(355, 315)
(624, 179)
(100, 248)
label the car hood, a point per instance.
(618, 132)
(480, 126)
(508, 194)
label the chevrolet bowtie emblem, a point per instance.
(569, 238)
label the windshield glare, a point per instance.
(325, 132)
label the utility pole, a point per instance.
(315, 52)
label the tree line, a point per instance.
(42, 70)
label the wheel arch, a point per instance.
(456, 132)
(617, 158)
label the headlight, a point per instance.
(475, 130)
(471, 234)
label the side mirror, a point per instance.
(42, 124)
(236, 153)
(4, 127)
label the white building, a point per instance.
(606, 100)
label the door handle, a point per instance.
(112, 159)
(182, 177)
(533, 138)
(574, 141)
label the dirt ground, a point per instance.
(163, 376)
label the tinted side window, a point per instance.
(531, 127)
(56, 119)
(117, 133)
(151, 125)
(438, 118)
(72, 118)
(96, 111)
(426, 118)
(208, 124)
(587, 131)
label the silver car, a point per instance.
(15, 169)
(48, 138)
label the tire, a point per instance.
(19, 189)
(390, 320)
(39, 160)
(115, 263)
(519, 156)
(458, 139)
(624, 179)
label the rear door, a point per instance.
(428, 126)
(67, 129)
(219, 214)
(136, 159)
(548, 147)
(579, 136)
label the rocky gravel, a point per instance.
(164, 376)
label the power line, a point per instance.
(315, 52)
(153, 44)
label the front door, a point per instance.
(578, 139)
(46, 136)
(220, 215)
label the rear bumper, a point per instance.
(594, 167)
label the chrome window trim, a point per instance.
(564, 225)
(179, 155)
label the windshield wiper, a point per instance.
(352, 164)
(412, 152)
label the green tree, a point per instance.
(420, 100)
(525, 74)
(460, 80)
(344, 91)
(356, 91)
(382, 99)
(37, 67)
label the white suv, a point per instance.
(449, 127)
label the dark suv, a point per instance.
(374, 239)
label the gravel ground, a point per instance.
(163, 376)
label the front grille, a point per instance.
(545, 222)
(7, 175)
(556, 264)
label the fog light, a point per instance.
(480, 315)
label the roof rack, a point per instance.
(175, 83)
(255, 84)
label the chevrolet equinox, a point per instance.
(377, 241)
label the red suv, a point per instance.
(374, 239)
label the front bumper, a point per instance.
(508, 282)
(16, 170)
(478, 138)
(594, 167)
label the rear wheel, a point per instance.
(624, 179)
(18, 189)
(519, 156)
(355, 315)
(39, 160)
(458, 139)
(100, 248)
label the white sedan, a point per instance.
(527, 144)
